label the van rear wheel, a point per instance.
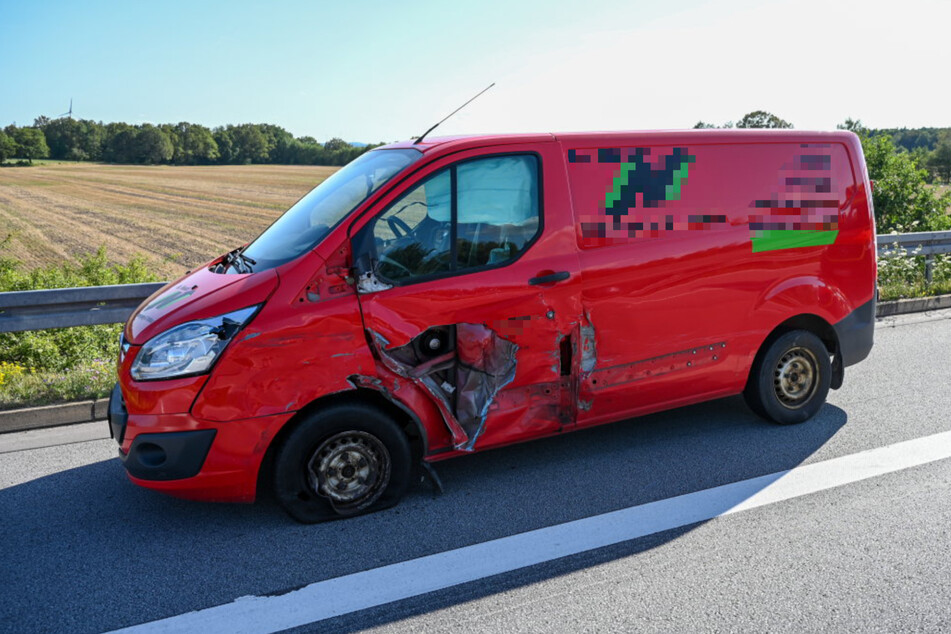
(789, 382)
(341, 461)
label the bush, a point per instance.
(63, 349)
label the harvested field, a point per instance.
(177, 217)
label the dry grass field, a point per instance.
(177, 217)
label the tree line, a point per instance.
(185, 143)
(170, 144)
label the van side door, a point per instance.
(469, 286)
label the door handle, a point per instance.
(551, 278)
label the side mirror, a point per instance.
(364, 252)
(365, 262)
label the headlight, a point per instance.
(189, 348)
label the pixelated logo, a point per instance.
(513, 326)
(803, 212)
(655, 182)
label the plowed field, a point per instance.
(177, 217)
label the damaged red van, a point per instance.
(458, 294)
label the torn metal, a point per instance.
(461, 366)
(589, 348)
(369, 283)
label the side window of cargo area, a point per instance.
(473, 214)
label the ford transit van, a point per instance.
(441, 297)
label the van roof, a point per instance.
(630, 137)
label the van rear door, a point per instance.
(469, 288)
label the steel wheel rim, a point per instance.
(351, 469)
(796, 377)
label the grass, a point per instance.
(24, 387)
(176, 217)
(918, 288)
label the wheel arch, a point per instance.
(809, 322)
(804, 302)
(405, 419)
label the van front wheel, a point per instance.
(789, 382)
(340, 461)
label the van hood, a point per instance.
(198, 295)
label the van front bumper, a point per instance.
(186, 457)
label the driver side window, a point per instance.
(412, 238)
(472, 215)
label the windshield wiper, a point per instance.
(240, 262)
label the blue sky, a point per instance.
(383, 71)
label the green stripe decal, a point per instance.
(680, 174)
(619, 181)
(773, 239)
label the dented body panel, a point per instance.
(644, 272)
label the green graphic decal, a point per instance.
(673, 190)
(772, 239)
(620, 182)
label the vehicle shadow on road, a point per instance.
(104, 554)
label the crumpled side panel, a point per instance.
(485, 364)
(462, 366)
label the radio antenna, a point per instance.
(420, 139)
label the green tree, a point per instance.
(224, 139)
(853, 125)
(91, 134)
(30, 144)
(72, 139)
(173, 132)
(7, 146)
(762, 119)
(119, 144)
(198, 144)
(902, 198)
(336, 144)
(282, 144)
(152, 145)
(939, 161)
(310, 152)
(701, 125)
(250, 144)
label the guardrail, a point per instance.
(64, 307)
(91, 305)
(926, 243)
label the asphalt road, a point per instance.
(83, 550)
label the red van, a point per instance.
(436, 298)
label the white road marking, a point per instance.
(378, 586)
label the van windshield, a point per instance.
(309, 221)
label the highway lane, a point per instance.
(84, 550)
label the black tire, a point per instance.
(341, 461)
(790, 380)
